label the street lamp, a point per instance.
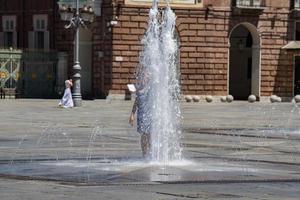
(70, 11)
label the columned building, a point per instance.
(237, 47)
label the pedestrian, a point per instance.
(142, 107)
(67, 101)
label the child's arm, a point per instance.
(131, 118)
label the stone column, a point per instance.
(255, 82)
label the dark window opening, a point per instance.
(297, 34)
(39, 40)
(297, 76)
(8, 39)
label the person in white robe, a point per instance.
(67, 101)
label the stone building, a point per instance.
(237, 47)
(28, 61)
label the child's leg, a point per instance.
(145, 144)
(148, 142)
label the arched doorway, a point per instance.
(85, 59)
(244, 61)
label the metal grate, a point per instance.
(9, 68)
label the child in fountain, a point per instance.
(143, 112)
(67, 101)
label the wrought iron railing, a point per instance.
(249, 3)
(39, 56)
(28, 73)
(38, 74)
(10, 60)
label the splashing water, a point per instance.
(158, 67)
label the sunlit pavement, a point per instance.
(233, 150)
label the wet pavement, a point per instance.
(231, 151)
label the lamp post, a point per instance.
(77, 17)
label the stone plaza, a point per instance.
(235, 150)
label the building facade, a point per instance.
(26, 33)
(237, 47)
(226, 47)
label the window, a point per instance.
(39, 37)
(39, 40)
(40, 24)
(97, 7)
(297, 31)
(9, 35)
(248, 3)
(8, 39)
(297, 4)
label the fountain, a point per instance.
(158, 62)
(219, 147)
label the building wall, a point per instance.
(24, 10)
(203, 31)
(37, 72)
(103, 51)
(204, 46)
